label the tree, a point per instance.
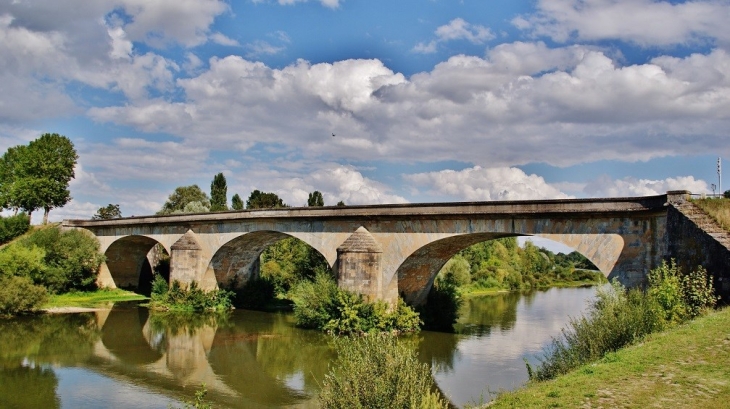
(236, 202)
(38, 174)
(315, 199)
(264, 200)
(218, 193)
(111, 211)
(182, 197)
(726, 194)
(341, 204)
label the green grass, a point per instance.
(718, 209)
(91, 299)
(685, 367)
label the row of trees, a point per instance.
(36, 176)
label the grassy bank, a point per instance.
(685, 367)
(475, 291)
(718, 209)
(91, 299)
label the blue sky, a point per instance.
(429, 100)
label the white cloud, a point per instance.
(221, 39)
(333, 4)
(475, 184)
(629, 186)
(259, 48)
(523, 102)
(456, 29)
(644, 22)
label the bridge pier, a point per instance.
(360, 268)
(189, 262)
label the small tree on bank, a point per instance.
(186, 199)
(264, 200)
(315, 199)
(236, 202)
(218, 193)
(111, 211)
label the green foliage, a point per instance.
(456, 271)
(36, 176)
(23, 261)
(315, 199)
(236, 202)
(726, 194)
(218, 193)
(255, 294)
(199, 402)
(289, 261)
(340, 204)
(177, 298)
(442, 307)
(263, 200)
(376, 372)
(182, 197)
(71, 260)
(320, 304)
(13, 226)
(619, 318)
(110, 211)
(19, 295)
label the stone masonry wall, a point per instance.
(695, 239)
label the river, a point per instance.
(127, 357)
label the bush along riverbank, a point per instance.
(616, 319)
(174, 297)
(46, 261)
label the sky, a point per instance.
(371, 101)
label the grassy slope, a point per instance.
(92, 298)
(718, 209)
(686, 367)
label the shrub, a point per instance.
(320, 304)
(177, 298)
(18, 260)
(72, 258)
(19, 295)
(376, 372)
(13, 226)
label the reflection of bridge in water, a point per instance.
(143, 350)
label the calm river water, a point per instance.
(127, 357)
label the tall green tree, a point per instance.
(218, 193)
(264, 200)
(315, 199)
(186, 199)
(236, 202)
(110, 211)
(38, 174)
(340, 204)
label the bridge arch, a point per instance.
(237, 261)
(129, 263)
(417, 273)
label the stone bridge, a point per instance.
(383, 250)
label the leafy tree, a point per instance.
(341, 203)
(726, 194)
(38, 174)
(182, 196)
(264, 200)
(111, 211)
(236, 202)
(218, 193)
(315, 199)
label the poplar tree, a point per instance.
(315, 199)
(218, 193)
(236, 202)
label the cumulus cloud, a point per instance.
(629, 186)
(474, 184)
(456, 29)
(644, 22)
(522, 102)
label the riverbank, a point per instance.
(71, 302)
(469, 291)
(685, 367)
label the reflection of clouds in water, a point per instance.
(295, 381)
(80, 388)
(494, 361)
